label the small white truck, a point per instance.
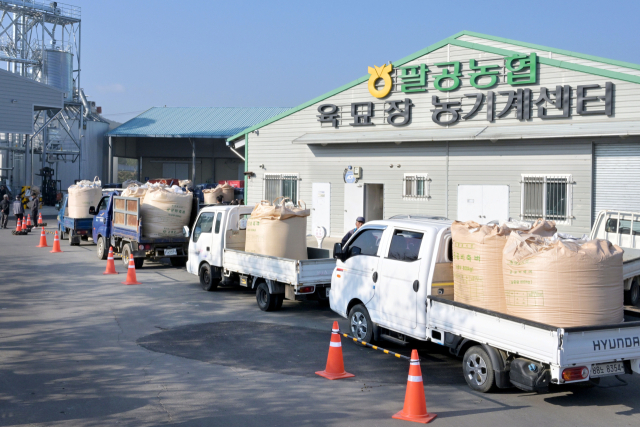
(623, 229)
(394, 280)
(216, 250)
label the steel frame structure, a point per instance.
(27, 29)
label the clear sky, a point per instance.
(138, 54)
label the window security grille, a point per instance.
(416, 186)
(281, 184)
(545, 196)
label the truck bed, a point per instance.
(546, 343)
(284, 270)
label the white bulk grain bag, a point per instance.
(164, 212)
(278, 230)
(211, 194)
(82, 196)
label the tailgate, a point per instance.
(598, 344)
(316, 271)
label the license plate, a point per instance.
(328, 290)
(604, 369)
(169, 252)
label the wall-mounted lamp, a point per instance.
(391, 165)
(398, 165)
(262, 166)
(14, 101)
(256, 132)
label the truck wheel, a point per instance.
(207, 282)
(360, 323)
(102, 249)
(478, 370)
(632, 296)
(266, 301)
(61, 233)
(70, 237)
(279, 301)
(178, 261)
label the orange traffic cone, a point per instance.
(111, 267)
(43, 240)
(24, 225)
(29, 221)
(131, 274)
(18, 225)
(415, 405)
(335, 365)
(39, 219)
(56, 244)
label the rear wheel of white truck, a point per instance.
(266, 301)
(632, 296)
(478, 369)
(207, 282)
(360, 323)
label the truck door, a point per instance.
(101, 221)
(200, 242)
(396, 297)
(356, 273)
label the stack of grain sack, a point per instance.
(477, 260)
(562, 281)
(211, 195)
(164, 210)
(278, 230)
(82, 196)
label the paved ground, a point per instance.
(79, 349)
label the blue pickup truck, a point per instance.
(117, 222)
(73, 229)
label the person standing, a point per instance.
(359, 223)
(35, 200)
(18, 209)
(4, 211)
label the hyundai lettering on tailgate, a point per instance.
(611, 344)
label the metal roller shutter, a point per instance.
(617, 177)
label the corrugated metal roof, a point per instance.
(194, 122)
(493, 133)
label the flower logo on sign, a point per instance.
(380, 73)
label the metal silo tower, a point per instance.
(41, 40)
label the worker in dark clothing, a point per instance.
(219, 200)
(34, 207)
(359, 223)
(4, 211)
(3, 191)
(18, 209)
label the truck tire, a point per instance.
(266, 300)
(478, 369)
(632, 296)
(178, 261)
(102, 251)
(360, 323)
(70, 237)
(126, 253)
(279, 301)
(61, 233)
(207, 282)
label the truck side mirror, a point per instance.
(185, 231)
(92, 210)
(337, 252)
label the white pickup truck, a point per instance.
(623, 229)
(216, 249)
(394, 280)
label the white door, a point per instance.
(353, 205)
(396, 295)
(182, 171)
(200, 242)
(495, 202)
(483, 203)
(321, 210)
(168, 170)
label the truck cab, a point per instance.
(101, 227)
(384, 274)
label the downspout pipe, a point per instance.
(85, 103)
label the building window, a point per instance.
(281, 184)
(546, 196)
(416, 186)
